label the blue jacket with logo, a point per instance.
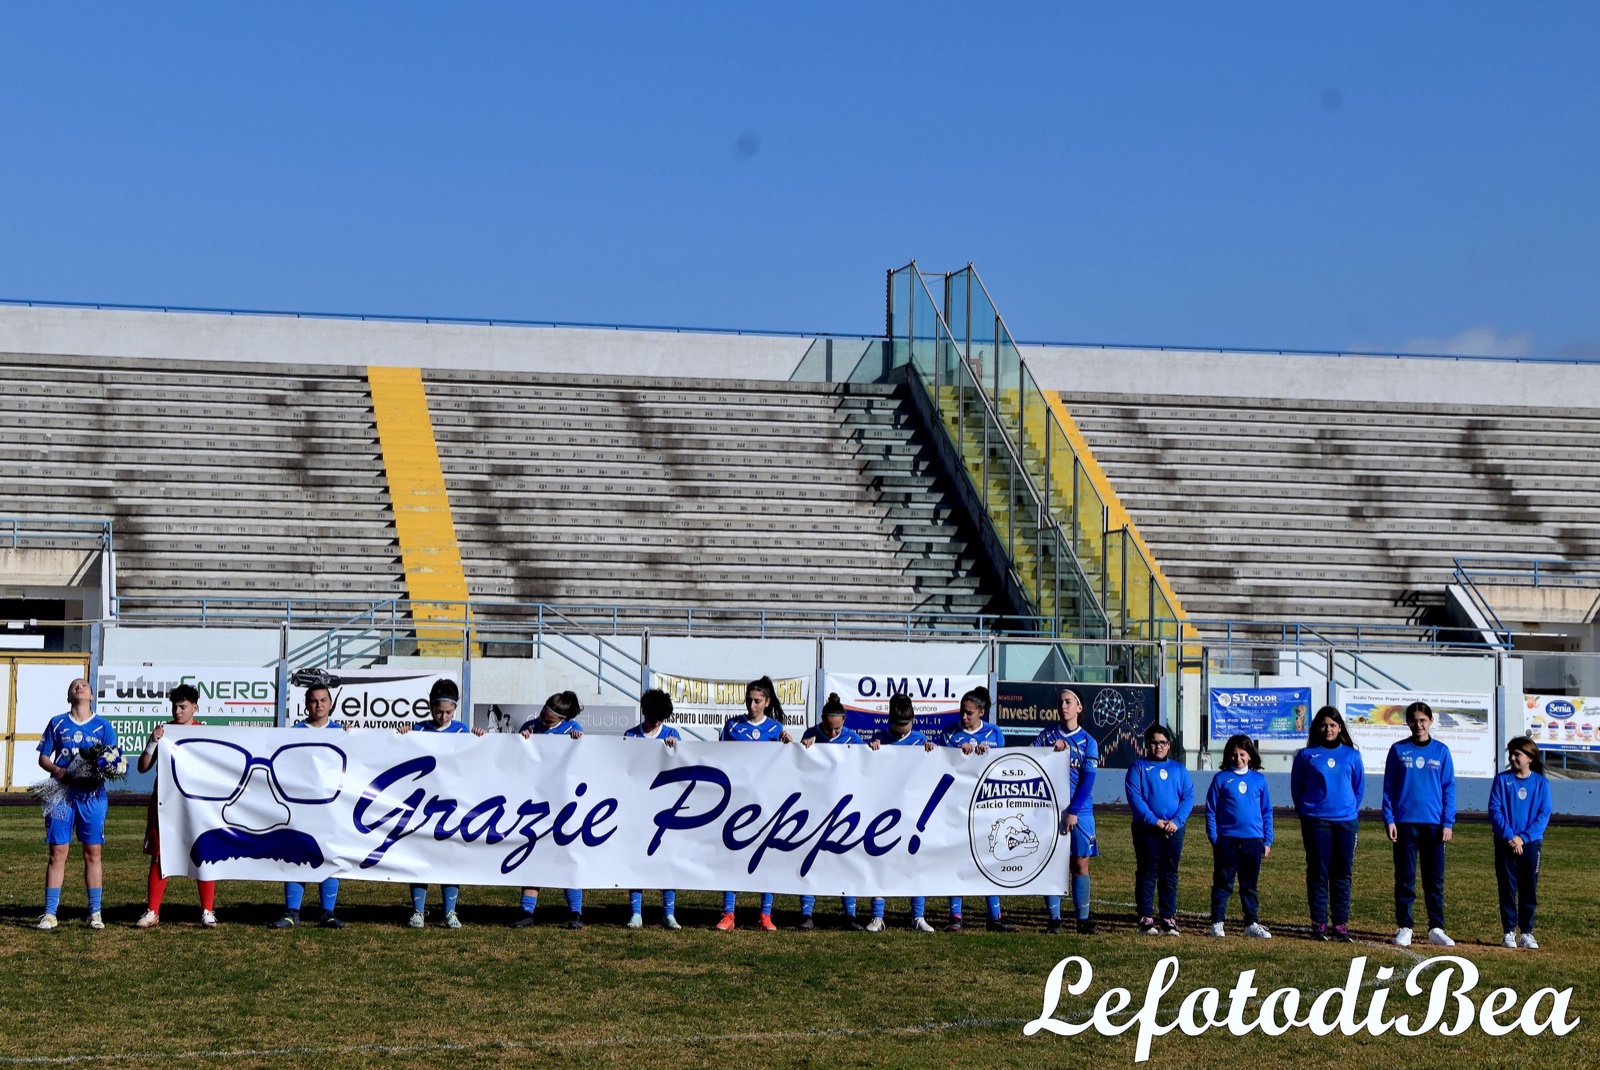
(1160, 791)
(1239, 806)
(1519, 807)
(1419, 785)
(1327, 783)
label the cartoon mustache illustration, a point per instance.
(278, 845)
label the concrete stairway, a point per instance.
(1298, 510)
(736, 495)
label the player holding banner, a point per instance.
(831, 729)
(655, 706)
(319, 715)
(1077, 819)
(975, 736)
(185, 700)
(443, 698)
(762, 723)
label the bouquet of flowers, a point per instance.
(90, 769)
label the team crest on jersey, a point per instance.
(1332, 763)
(1012, 821)
(1522, 793)
(1421, 762)
(1244, 789)
(1163, 774)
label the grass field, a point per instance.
(378, 993)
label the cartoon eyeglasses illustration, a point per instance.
(302, 774)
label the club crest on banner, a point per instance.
(1013, 820)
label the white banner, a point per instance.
(134, 697)
(699, 705)
(369, 698)
(935, 699)
(1463, 722)
(278, 804)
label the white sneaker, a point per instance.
(1509, 940)
(1528, 942)
(1257, 931)
(417, 920)
(1437, 936)
(1218, 929)
(149, 919)
(208, 918)
(636, 922)
(875, 925)
(451, 921)
(921, 925)
(95, 922)
(47, 922)
(670, 922)
(1402, 938)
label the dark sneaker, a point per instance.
(574, 921)
(853, 925)
(1341, 935)
(807, 923)
(1087, 927)
(290, 919)
(1053, 927)
(1000, 925)
(1148, 927)
(1319, 930)
(954, 926)
(331, 922)
(524, 922)
(1169, 927)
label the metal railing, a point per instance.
(14, 529)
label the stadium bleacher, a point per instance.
(251, 480)
(1289, 509)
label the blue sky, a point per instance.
(1342, 175)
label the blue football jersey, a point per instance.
(741, 730)
(846, 735)
(985, 733)
(330, 724)
(63, 737)
(666, 732)
(1083, 759)
(453, 726)
(560, 728)
(912, 738)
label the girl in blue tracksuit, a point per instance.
(558, 719)
(1239, 826)
(1519, 811)
(762, 723)
(1419, 811)
(1326, 783)
(1161, 793)
(655, 707)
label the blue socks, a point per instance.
(94, 900)
(766, 902)
(528, 903)
(955, 906)
(293, 895)
(451, 892)
(329, 893)
(919, 905)
(574, 900)
(877, 908)
(669, 901)
(52, 900)
(1080, 896)
(727, 902)
(808, 903)
(849, 902)
(728, 899)
(994, 908)
(1052, 903)
(419, 898)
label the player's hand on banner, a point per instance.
(158, 732)
(873, 744)
(806, 743)
(480, 731)
(785, 737)
(966, 748)
(527, 733)
(402, 728)
(1068, 823)
(927, 745)
(982, 748)
(576, 733)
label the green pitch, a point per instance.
(379, 994)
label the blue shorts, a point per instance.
(1083, 841)
(85, 814)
